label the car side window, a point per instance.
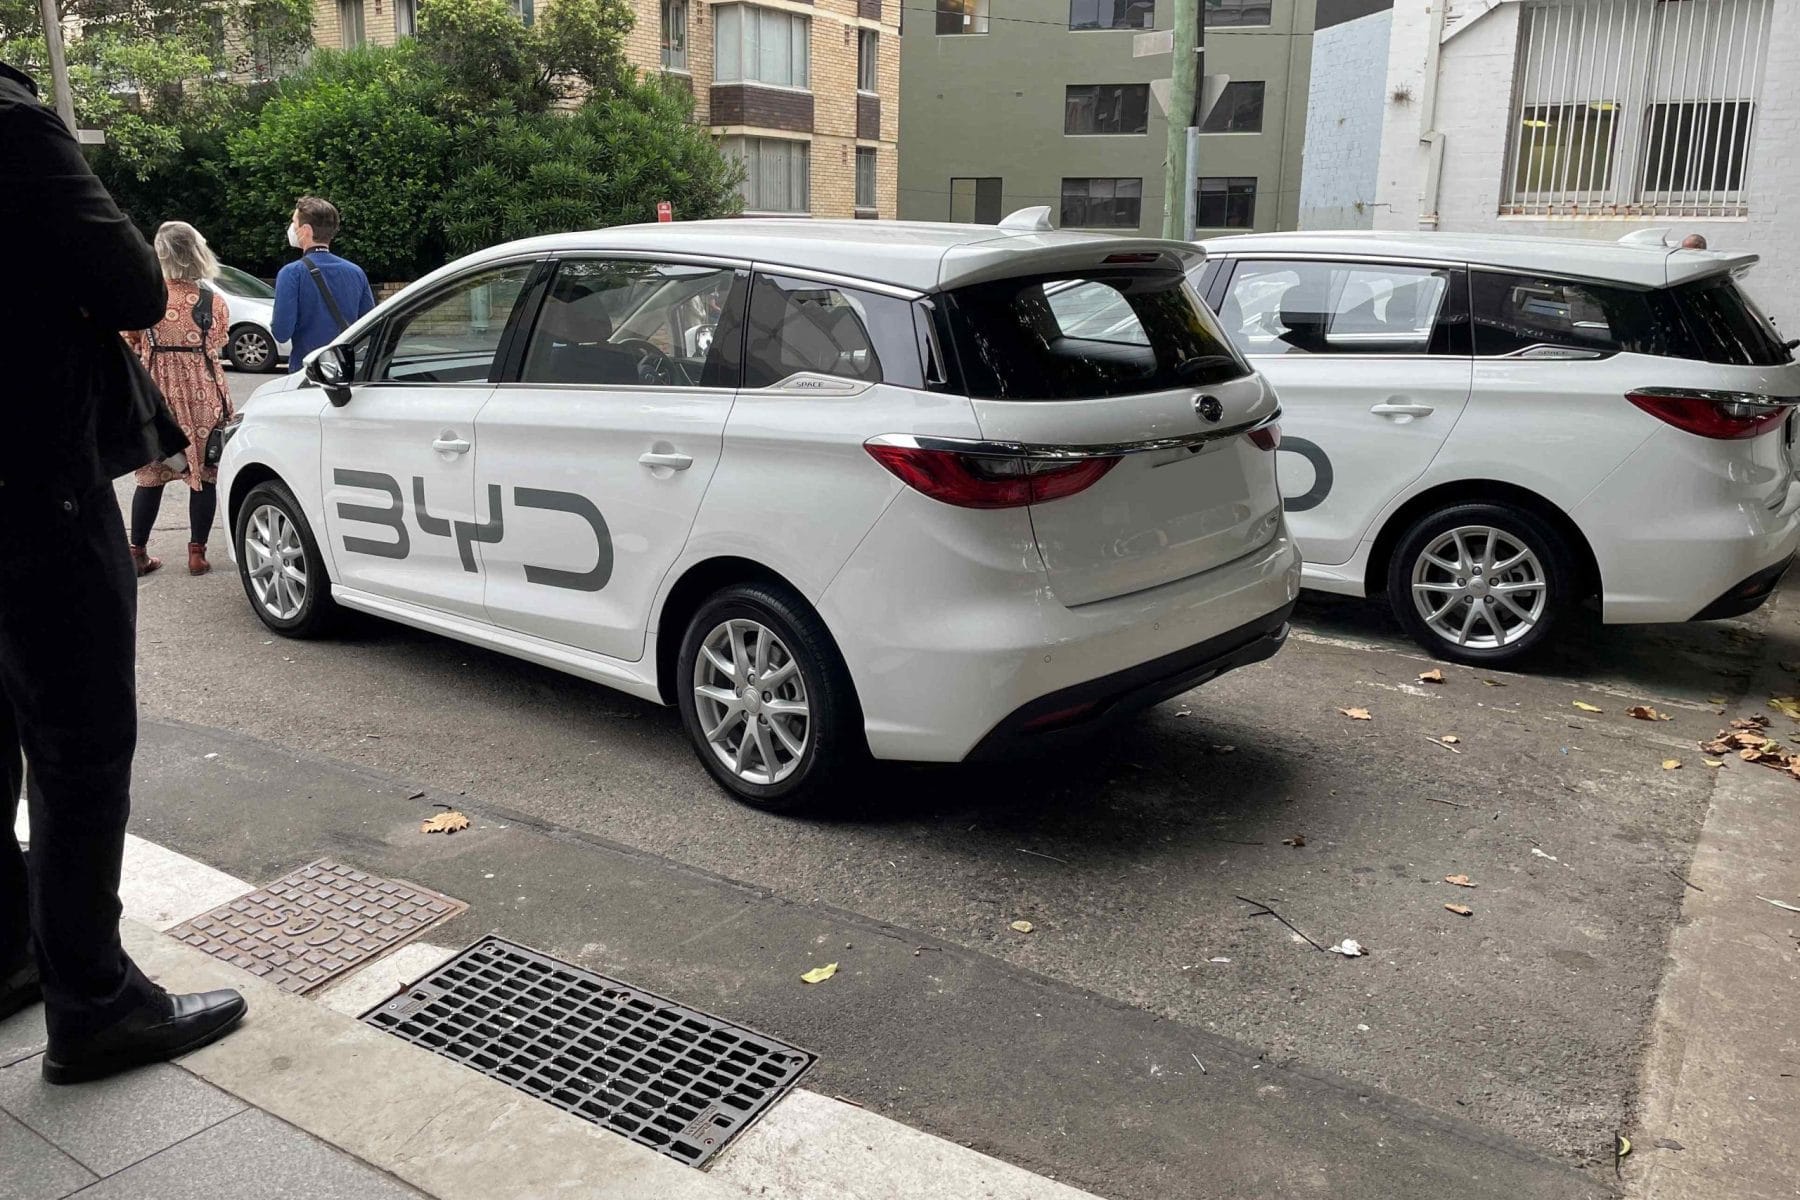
(1306, 307)
(628, 322)
(454, 336)
(800, 325)
(1515, 312)
(1095, 311)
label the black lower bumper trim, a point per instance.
(1747, 595)
(1094, 704)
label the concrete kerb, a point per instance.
(438, 1126)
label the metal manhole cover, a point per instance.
(664, 1075)
(313, 924)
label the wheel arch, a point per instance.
(1478, 491)
(685, 597)
(247, 477)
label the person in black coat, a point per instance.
(68, 604)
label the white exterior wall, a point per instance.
(1342, 153)
(1475, 90)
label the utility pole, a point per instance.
(59, 66)
(1183, 85)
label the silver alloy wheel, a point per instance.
(251, 349)
(1479, 587)
(276, 562)
(751, 701)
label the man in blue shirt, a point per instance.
(303, 315)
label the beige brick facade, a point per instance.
(831, 128)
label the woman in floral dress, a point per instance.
(182, 354)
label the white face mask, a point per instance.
(293, 236)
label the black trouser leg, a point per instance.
(146, 502)
(202, 505)
(68, 613)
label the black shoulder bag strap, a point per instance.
(331, 304)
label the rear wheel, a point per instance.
(280, 565)
(1483, 583)
(767, 700)
(251, 349)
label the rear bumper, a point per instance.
(1747, 596)
(1079, 711)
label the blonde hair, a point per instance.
(183, 253)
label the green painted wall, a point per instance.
(985, 105)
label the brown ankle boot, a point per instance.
(197, 564)
(140, 558)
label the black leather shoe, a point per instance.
(163, 1029)
(19, 990)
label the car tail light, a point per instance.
(1722, 415)
(1266, 437)
(989, 480)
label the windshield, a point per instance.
(1087, 336)
(1727, 326)
(242, 283)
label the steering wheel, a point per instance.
(653, 365)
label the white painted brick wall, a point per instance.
(1343, 124)
(1474, 104)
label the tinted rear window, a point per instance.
(1079, 337)
(1726, 325)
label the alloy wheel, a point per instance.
(1479, 587)
(751, 700)
(251, 349)
(275, 560)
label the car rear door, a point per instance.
(397, 461)
(602, 449)
(1371, 361)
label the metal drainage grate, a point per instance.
(313, 924)
(659, 1073)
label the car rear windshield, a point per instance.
(1726, 326)
(1086, 336)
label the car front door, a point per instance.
(1372, 364)
(600, 452)
(397, 464)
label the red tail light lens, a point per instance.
(988, 481)
(1710, 415)
(1266, 437)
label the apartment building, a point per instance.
(1597, 118)
(1007, 104)
(804, 92)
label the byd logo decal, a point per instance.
(468, 533)
(1322, 474)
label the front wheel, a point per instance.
(767, 700)
(280, 565)
(1483, 584)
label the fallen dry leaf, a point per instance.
(1458, 880)
(1584, 706)
(1493, 683)
(1357, 714)
(1432, 676)
(1756, 722)
(1787, 706)
(1671, 764)
(1461, 910)
(444, 822)
(1716, 700)
(1644, 712)
(819, 974)
(1298, 840)
(1450, 739)
(1713, 762)
(1021, 926)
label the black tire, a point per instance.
(834, 748)
(251, 348)
(1553, 564)
(315, 613)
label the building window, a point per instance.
(975, 201)
(1226, 202)
(760, 45)
(868, 61)
(1106, 108)
(865, 177)
(776, 173)
(1112, 14)
(674, 35)
(350, 23)
(1239, 110)
(525, 10)
(962, 16)
(1235, 14)
(1668, 134)
(1102, 203)
(406, 18)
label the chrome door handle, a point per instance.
(451, 445)
(675, 462)
(1402, 410)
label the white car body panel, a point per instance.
(947, 617)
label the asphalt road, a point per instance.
(1526, 1018)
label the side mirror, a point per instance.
(332, 368)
